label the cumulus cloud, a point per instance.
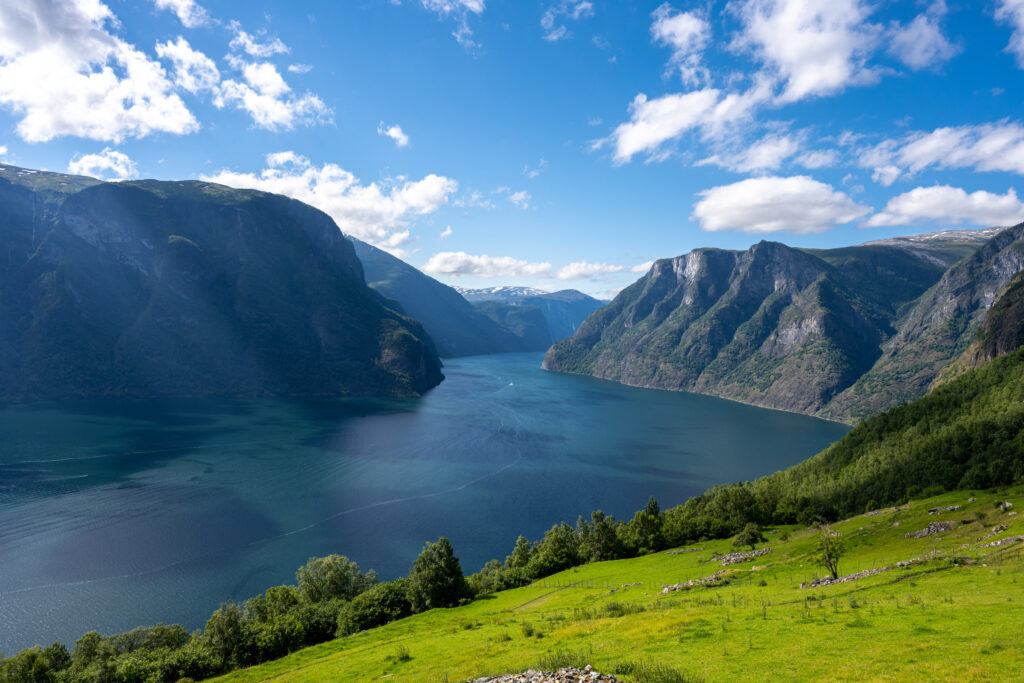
(107, 165)
(948, 205)
(797, 204)
(583, 270)
(642, 267)
(189, 13)
(456, 263)
(300, 68)
(552, 21)
(984, 147)
(460, 11)
(655, 122)
(521, 199)
(1012, 12)
(378, 213)
(767, 153)
(813, 47)
(193, 71)
(267, 98)
(393, 132)
(818, 158)
(921, 43)
(687, 34)
(62, 72)
(446, 233)
(258, 46)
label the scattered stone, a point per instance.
(736, 558)
(997, 529)
(918, 560)
(932, 528)
(971, 500)
(1002, 541)
(1005, 505)
(710, 581)
(567, 675)
(948, 508)
(895, 524)
(875, 513)
(1011, 514)
(682, 550)
(630, 585)
(829, 581)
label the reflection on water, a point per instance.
(115, 514)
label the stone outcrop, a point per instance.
(567, 675)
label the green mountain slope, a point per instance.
(774, 326)
(184, 288)
(456, 327)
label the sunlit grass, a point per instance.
(938, 620)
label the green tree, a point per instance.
(599, 540)
(380, 605)
(831, 547)
(334, 576)
(436, 579)
(750, 535)
(645, 531)
(520, 556)
(225, 631)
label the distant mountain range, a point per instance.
(839, 333)
(189, 289)
(466, 322)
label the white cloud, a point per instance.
(256, 46)
(268, 99)
(521, 199)
(474, 199)
(985, 147)
(767, 153)
(950, 205)
(446, 233)
(688, 34)
(62, 72)
(300, 68)
(190, 14)
(642, 267)
(654, 122)
(1012, 12)
(393, 132)
(921, 44)
(532, 173)
(561, 11)
(193, 71)
(107, 165)
(372, 212)
(582, 270)
(818, 158)
(460, 11)
(813, 47)
(797, 204)
(456, 263)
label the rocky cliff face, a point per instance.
(774, 326)
(184, 288)
(937, 329)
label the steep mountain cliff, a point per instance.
(936, 330)
(456, 327)
(775, 326)
(186, 288)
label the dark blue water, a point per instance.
(116, 514)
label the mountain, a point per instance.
(562, 312)
(774, 326)
(937, 329)
(499, 293)
(186, 289)
(457, 328)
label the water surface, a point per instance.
(120, 513)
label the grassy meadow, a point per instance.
(958, 614)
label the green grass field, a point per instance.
(957, 615)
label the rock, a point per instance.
(1005, 505)
(948, 508)
(1002, 541)
(682, 550)
(567, 675)
(971, 500)
(932, 528)
(828, 580)
(736, 558)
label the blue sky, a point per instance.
(551, 143)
